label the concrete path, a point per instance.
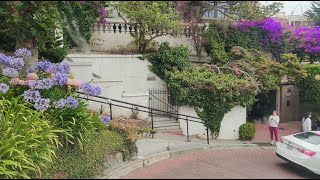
(167, 145)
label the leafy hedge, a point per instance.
(247, 131)
(215, 89)
(77, 164)
(27, 142)
(39, 111)
(310, 86)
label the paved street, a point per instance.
(244, 163)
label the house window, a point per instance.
(211, 12)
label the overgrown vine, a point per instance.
(214, 89)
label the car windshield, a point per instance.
(310, 137)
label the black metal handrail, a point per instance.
(152, 111)
(166, 104)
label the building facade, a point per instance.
(295, 21)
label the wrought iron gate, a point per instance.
(160, 99)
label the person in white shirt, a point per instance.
(273, 126)
(306, 123)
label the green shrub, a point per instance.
(77, 124)
(27, 140)
(54, 55)
(310, 86)
(167, 59)
(247, 131)
(75, 163)
(130, 133)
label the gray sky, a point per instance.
(298, 7)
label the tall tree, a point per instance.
(314, 12)
(192, 13)
(153, 19)
(30, 23)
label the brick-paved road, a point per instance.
(241, 164)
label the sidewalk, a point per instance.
(263, 134)
(169, 142)
(166, 145)
(164, 141)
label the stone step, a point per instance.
(165, 122)
(175, 127)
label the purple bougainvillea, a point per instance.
(307, 40)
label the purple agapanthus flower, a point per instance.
(97, 91)
(4, 88)
(3, 59)
(44, 84)
(59, 104)
(10, 72)
(71, 102)
(89, 89)
(22, 52)
(43, 66)
(16, 63)
(32, 96)
(60, 79)
(105, 119)
(66, 68)
(61, 68)
(42, 104)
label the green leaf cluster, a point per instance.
(214, 90)
(28, 140)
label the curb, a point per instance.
(235, 146)
(130, 166)
(127, 167)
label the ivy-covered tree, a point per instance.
(153, 18)
(29, 23)
(192, 12)
(213, 89)
(314, 12)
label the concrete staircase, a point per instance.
(165, 124)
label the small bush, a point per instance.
(27, 140)
(130, 132)
(247, 131)
(54, 55)
(77, 124)
(77, 164)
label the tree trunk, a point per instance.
(32, 46)
(142, 48)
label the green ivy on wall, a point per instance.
(214, 90)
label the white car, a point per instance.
(302, 149)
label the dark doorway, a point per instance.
(263, 108)
(289, 103)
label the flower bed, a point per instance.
(45, 97)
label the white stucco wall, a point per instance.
(229, 126)
(194, 128)
(125, 78)
(231, 122)
(122, 77)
